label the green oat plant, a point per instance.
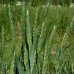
(35, 40)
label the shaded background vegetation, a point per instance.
(42, 2)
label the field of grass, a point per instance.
(36, 40)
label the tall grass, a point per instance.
(35, 40)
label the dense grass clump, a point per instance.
(36, 40)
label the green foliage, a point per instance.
(35, 40)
